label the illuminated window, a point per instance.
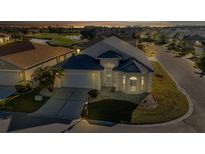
(142, 83)
(133, 84)
(123, 82)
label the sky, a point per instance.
(108, 23)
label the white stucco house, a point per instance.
(18, 60)
(108, 63)
(4, 38)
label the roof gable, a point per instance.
(120, 46)
(131, 65)
(110, 54)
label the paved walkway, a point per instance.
(66, 103)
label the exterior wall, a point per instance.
(94, 76)
(199, 51)
(109, 62)
(108, 65)
(4, 39)
(10, 77)
(146, 87)
(28, 73)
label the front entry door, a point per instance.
(108, 78)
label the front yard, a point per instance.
(23, 103)
(171, 104)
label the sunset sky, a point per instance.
(109, 23)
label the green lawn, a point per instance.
(171, 104)
(111, 110)
(25, 103)
(56, 39)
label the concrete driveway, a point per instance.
(66, 103)
(6, 91)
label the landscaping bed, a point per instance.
(23, 102)
(171, 104)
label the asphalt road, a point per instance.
(191, 82)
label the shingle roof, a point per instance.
(32, 54)
(195, 37)
(127, 66)
(130, 65)
(120, 46)
(83, 62)
(110, 54)
(16, 47)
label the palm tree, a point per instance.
(45, 76)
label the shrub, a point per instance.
(23, 87)
(93, 93)
(113, 89)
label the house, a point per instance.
(108, 63)
(196, 38)
(4, 38)
(18, 60)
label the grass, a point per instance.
(111, 110)
(56, 39)
(24, 103)
(171, 104)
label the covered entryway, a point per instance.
(9, 77)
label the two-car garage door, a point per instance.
(9, 78)
(77, 80)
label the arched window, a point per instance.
(133, 84)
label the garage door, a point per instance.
(77, 80)
(9, 78)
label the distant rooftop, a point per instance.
(26, 54)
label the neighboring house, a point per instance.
(108, 63)
(195, 38)
(4, 38)
(200, 49)
(18, 60)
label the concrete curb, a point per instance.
(185, 116)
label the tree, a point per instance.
(45, 76)
(88, 33)
(201, 65)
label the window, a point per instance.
(142, 83)
(133, 84)
(123, 82)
